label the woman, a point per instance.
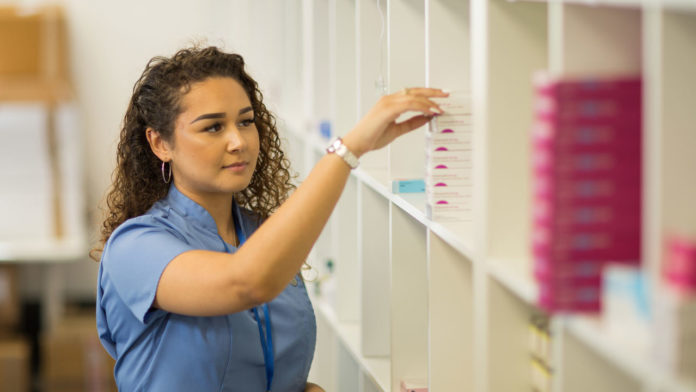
(188, 299)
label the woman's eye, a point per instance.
(214, 128)
(247, 123)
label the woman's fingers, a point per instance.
(424, 91)
(379, 127)
(394, 130)
(418, 103)
(410, 124)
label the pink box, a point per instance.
(587, 244)
(587, 109)
(587, 87)
(631, 202)
(611, 132)
(581, 271)
(569, 296)
(625, 124)
(560, 148)
(605, 190)
(545, 211)
(563, 175)
(680, 263)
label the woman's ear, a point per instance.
(158, 145)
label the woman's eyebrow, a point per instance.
(245, 110)
(208, 115)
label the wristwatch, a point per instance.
(337, 147)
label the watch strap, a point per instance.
(337, 147)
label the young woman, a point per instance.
(199, 286)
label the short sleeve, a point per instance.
(135, 257)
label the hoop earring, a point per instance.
(169, 176)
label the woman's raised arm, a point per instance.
(208, 283)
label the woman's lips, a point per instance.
(236, 167)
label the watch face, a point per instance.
(333, 146)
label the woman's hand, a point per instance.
(379, 127)
(313, 388)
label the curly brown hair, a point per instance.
(156, 103)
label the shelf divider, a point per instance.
(450, 315)
(374, 273)
(409, 299)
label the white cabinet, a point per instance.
(449, 303)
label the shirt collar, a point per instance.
(196, 213)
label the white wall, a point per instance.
(110, 43)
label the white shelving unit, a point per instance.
(58, 228)
(449, 304)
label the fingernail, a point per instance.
(446, 91)
(435, 110)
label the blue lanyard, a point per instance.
(266, 344)
(267, 338)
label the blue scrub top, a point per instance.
(157, 350)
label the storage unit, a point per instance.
(449, 304)
(44, 216)
(40, 149)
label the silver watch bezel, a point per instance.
(337, 147)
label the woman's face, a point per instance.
(216, 144)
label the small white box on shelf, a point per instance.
(675, 331)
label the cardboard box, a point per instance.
(9, 299)
(34, 61)
(14, 365)
(73, 358)
(33, 42)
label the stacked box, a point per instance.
(14, 364)
(73, 358)
(448, 182)
(33, 41)
(9, 300)
(586, 144)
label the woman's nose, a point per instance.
(235, 140)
